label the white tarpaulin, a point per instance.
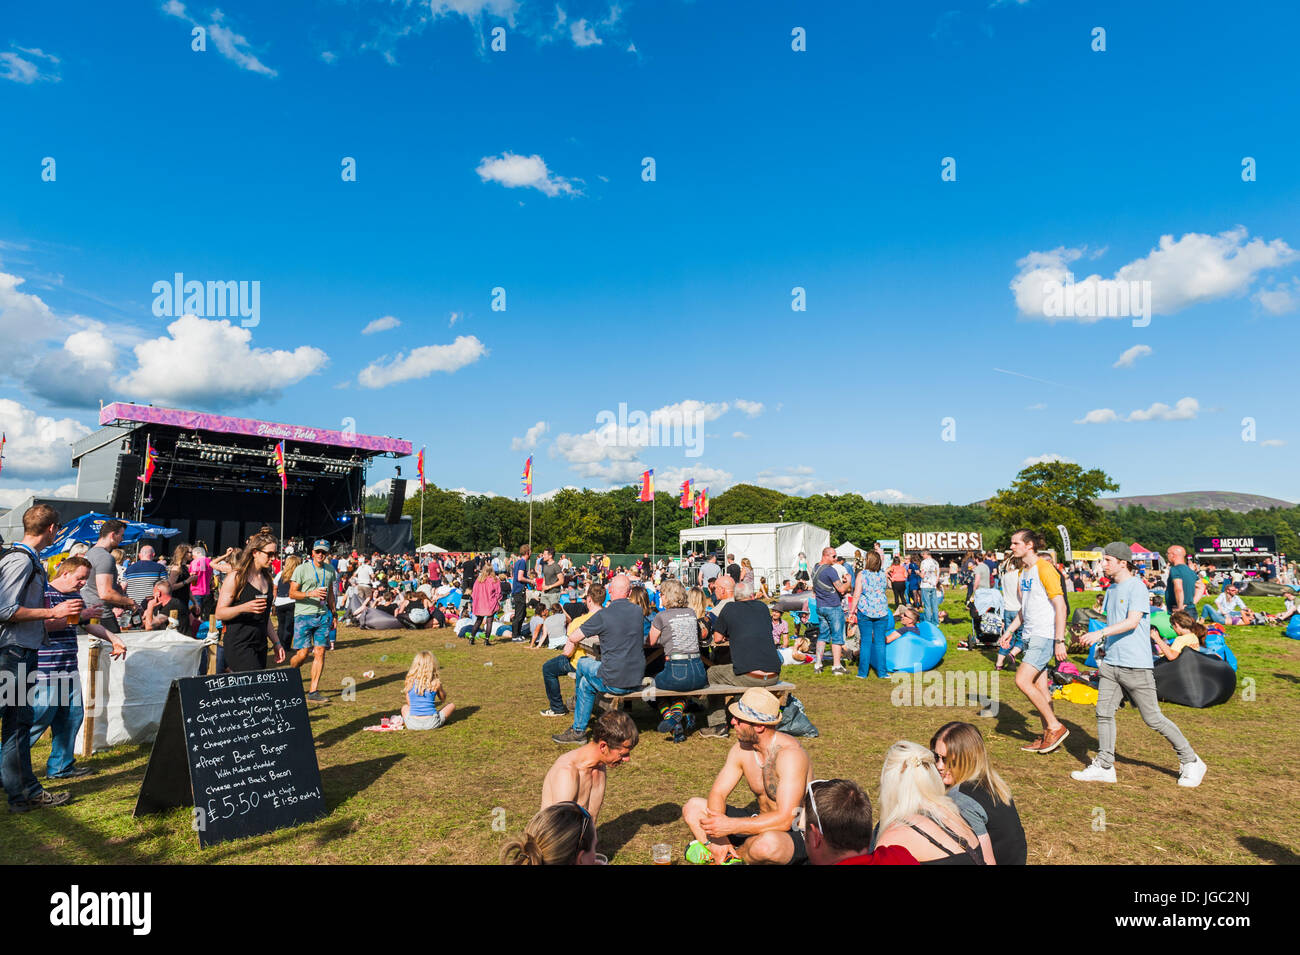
(773, 549)
(131, 691)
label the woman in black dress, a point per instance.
(244, 605)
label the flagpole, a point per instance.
(652, 530)
(422, 515)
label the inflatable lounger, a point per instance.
(793, 603)
(1293, 627)
(917, 652)
(372, 619)
(1195, 679)
(1262, 588)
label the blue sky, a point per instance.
(774, 169)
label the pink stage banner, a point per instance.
(196, 421)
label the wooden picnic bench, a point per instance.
(651, 694)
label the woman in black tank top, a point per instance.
(244, 605)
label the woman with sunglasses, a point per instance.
(916, 814)
(562, 834)
(244, 605)
(963, 764)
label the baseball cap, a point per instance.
(321, 545)
(1119, 550)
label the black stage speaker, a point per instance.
(122, 500)
(396, 498)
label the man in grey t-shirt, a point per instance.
(101, 589)
(551, 580)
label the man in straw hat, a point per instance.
(778, 772)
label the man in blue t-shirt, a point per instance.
(830, 584)
(519, 593)
(1125, 665)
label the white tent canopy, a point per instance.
(773, 549)
(430, 549)
(846, 550)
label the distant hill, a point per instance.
(1196, 500)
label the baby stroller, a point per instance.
(987, 621)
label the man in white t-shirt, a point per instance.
(364, 578)
(929, 588)
(1042, 616)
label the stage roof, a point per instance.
(121, 412)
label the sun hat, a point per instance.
(757, 706)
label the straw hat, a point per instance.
(757, 706)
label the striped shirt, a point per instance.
(58, 654)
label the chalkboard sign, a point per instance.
(239, 749)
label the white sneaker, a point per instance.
(1191, 774)
(1094, 774)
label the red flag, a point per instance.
(647, 485)
(150, 462)
(527, 477)
(279, 466)
(419, 468)
(688, 495)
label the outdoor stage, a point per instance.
(215, 477)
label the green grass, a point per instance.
(434, 797)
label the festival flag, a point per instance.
(419, 468)
(3, 439)
(279, 466)
(150, 462)
(688, 495)
(647, 485)
(527, 477)
(702, 504)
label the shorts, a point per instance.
(549, 598)
(832, 626)
(311, 630)
(1039, 653)
(430, 722)
(800, 856)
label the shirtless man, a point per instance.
(579, 775)
(778, 771)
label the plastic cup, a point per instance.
(602, 859)
(94, 621)
(74, 619)
(661, 853)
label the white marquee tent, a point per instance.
(773, 549)
(846, 550)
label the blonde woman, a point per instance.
(562, 834)
(698, 603)
(917, 815)
(244, 606)
(746, 570)
(963, 764)
(423, 692)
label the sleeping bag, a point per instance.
(1194, 679)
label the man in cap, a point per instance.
(312, 588)
(778, 772)
(1125, 666)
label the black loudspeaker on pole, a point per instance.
(122, 500)
(396, 498)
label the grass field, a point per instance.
(434, 797)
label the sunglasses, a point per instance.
(586, 821)
(812, 800)
(268, 553)
(937, 758)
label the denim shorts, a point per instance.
(430, 722)
(832, 626)
(1039, 654)
(311, 629)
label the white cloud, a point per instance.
(583, 35)
(1037, 406)
(381, 325)
(476, 9)
(1131, 355)
(715, 479)
(37, 445)
(514, 171)
(23, 317)
(741, 435)
(1272, 443)
(231, 45)
(210, 362)
(422, 362)
(1098, 416)
(13, 496)
(1047, 459)
(77, 374)
(529, 441)
(21, 69)
(751, 408)
(1194, 269)
(1279, 299)
(1184, 409)
(610, 454)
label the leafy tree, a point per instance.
(1055, 492)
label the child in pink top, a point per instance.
(485, 601)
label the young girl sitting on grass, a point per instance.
(423, 693)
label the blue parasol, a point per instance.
(85, 530)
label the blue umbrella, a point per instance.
(85, 530)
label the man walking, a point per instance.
(24, 621)
(1125, 666)
(830, 584)
(101, 588)
(930, 587)
(519, 593)
(312, 588)
(1042, 617)
(1180, 593)
(552, 580)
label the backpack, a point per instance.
(36, 567)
